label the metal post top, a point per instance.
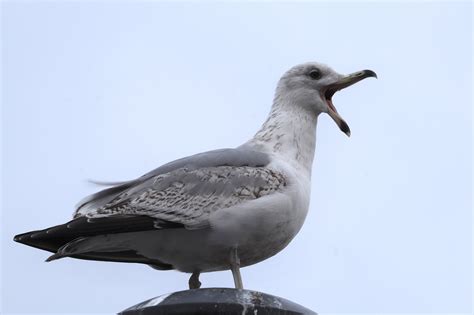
(217, 301)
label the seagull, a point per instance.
(218, 210)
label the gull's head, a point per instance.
(312, 85)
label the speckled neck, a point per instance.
(290, 132)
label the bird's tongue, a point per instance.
(337, 119)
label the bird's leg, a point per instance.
(194, 282)
(235, 267)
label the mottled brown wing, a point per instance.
(188, 197)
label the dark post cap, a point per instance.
(217, 301)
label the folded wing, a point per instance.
(181, 194)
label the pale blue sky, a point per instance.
(109, 91)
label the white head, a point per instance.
(311, 86)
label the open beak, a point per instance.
(331, 89)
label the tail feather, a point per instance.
(54, 257)
(84, 245)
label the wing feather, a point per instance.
(183, 193)
(241, 156)
(189, 197)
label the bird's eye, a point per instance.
(315, 74)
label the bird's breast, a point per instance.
(263, 227)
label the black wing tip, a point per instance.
(22, 238)
(37, 239)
